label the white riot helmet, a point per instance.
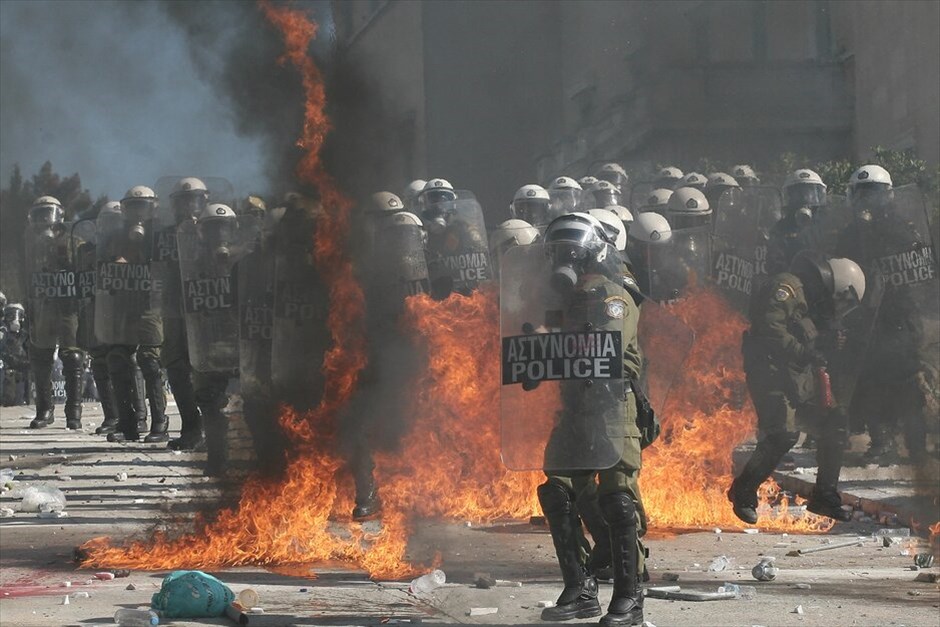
(667, 177)
(694, 180)
(745, 175)
(587, 181)
(14, 317)
(657, 200)
(112, 206)
(436, 202)
(411, 191)
(217, 225)
(869, 186)
(718, 184)
(565, 194)
(803, 189)
(511, 233)
(403, 218)
(625, 215)
(687, 202)
(384, 202)
(576, 242)
(189, 198)
(532, 204)
(652, 228)
(837, 285)
(139, 205)
(45, 213)
(605, 194)
(614, 174)
(613, 225)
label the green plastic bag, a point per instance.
(191, 594)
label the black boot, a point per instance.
(767, 454)
(72, 366)
(45, 409)
(590, 512)
(626, 603)
(106, 397)
(825, 500)
(579, 598)
(124, 389)
(368, 503)
(191, 437)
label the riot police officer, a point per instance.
(593, 298)
(718, 183)
(667, 178)
(604, 194)
(14, 356)
(614, 174)
(53, 312)
(565, 194)
(657, 200)
(509, 234)
(531, 203)
(411, 193)
(804, 193)
(794, 334)
(128, 300)
(745, 175)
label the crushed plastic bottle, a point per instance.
(428, 582)
(42, 498)
(765, 570)
(719, 564)
(740, 592)
(898, 532)
(136, 618)
(6, 476)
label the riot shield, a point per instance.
(301, 305)
(397, 269)
(256, 281)
(52, 294)
(639, 194)
(562, 394)
(210, 292)
(84, 237)
(458, 255)
(128, 290)
(666, 269)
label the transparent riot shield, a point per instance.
(52, 293)
(256, 281)
(210, 289)
(742, 224)
(84, 237)
(457, 254)
(128, 290)
(639, 194)
(667, 268)
(563, 381)
(397, 269)
(301, 305)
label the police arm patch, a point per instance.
(616, 307)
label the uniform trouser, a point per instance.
(15, 387)
(211, 399)
(179, 372)
(42, 361)
(882, 404)
(261, 416)
(623, 477)
(99, 371)
(121, 368)
(777, 418)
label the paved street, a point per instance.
(870, 584)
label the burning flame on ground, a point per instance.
(449, 464)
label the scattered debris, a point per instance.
(719, 564)
(544, 604)
(913, 593)
(65, 478)
(66, 584)
(248, 598)
(121, 476)
(923, 560)
(670, 577)
(646, 623)
(130, 586)
(674, 593)
(482, 611)
(888, 541)
(6, 512)
(751, 531)
(739, 591)
(717, 531)
(927, 577)
(53, 514)
(42, 498)
(80, 595)
(428, 582)
(765, 570)
(798, 610)
(825, 547)
(121, 572)
(801, 586)
(235, 612)
(65, 601)
(483, 580)
(897, 532)
(12, 458)
(104, 576)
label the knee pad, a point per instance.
(555, 498)
(618, 509)
(72, 360)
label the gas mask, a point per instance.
(568, 264)
(14, 320)
(437, 216)
(217, 237)
(44, 220)
(803, 199)
(187, 206)
(138, 212)
(871, 200)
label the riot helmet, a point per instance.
(616, 231)
(509, 234)
(386, 202)
(625, 215)
(833, 287)
(46, 216)
(139, 206)
(577, 242)
(437, 204)
(532, 204)
(14, 317)
(188, 199)
(586, 182)
(693, 180)
(688, 208)
(605, 194)
(255, 206)
(718, 183)
(745, 175)
(657, 200)
(870, 191)
(411, 192)
(565, 194)
(614, 174)
(667, 177)
(217, 226)
(651, 228)
(803, 192)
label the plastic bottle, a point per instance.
(247, 598)
(740, 592)
(136, 618)
(428, 582)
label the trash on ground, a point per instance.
(825, 547)
(923, 560)
(6, 475)
(136, 618)
(248, 598)
(482, 611)
(720, 563)
(53, 514)
(765, 570)
(675, 593)
(670, 577)
(740, 592)
(483, 580)
(506, 583)
(897, 532)
(801, 586)
(80, 595)
(751, 531)
(798, 610)
(42, 498)
(130, 586)
(191, 594)
(121, 476)
(544, 604)
(928, 577)
(427, 583)
(104, 576)
(65, 601)
(65, 478)
(6, 512)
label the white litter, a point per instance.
(121, 476)
(42, 498)
(545, 604)
(483, 611)
(751, 531)
(798, 610)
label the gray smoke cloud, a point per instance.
(113, 91)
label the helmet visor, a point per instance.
(188, 205)
(435, 196)
(564, 200)
(870, 194)
(536, 212)
(138, 209)
(806, 195)
(45, 215)
(606, 197)
(613, 177)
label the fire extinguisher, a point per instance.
(824, 388)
